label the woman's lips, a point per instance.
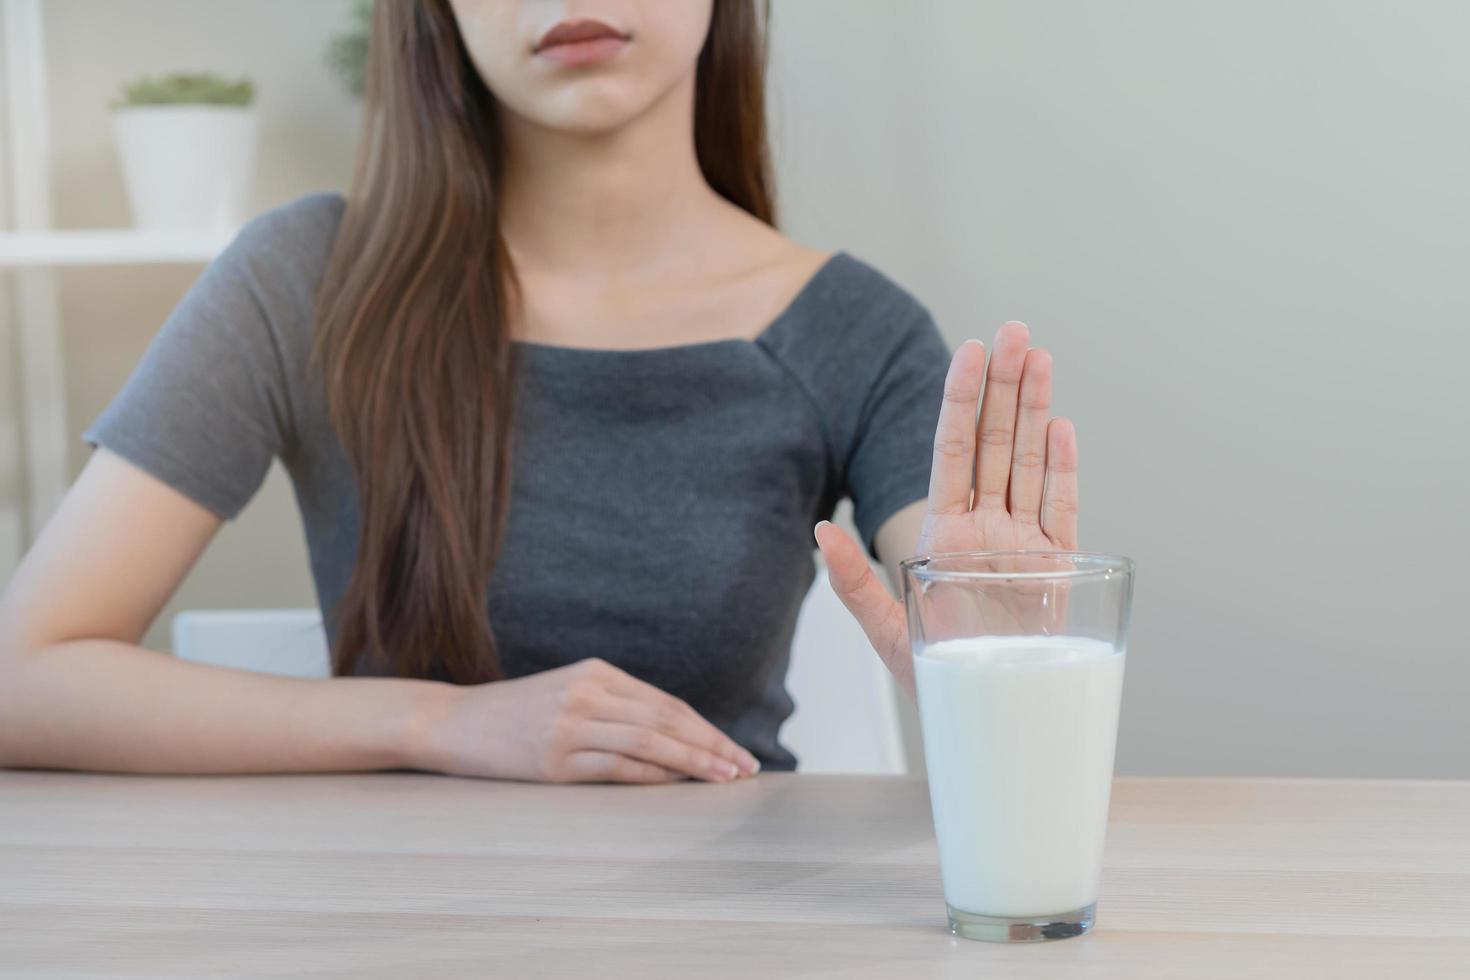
(580, 42)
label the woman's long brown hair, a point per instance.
(413, 336)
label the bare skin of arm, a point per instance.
(77, 691)
(897, 539)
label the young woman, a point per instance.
(561, 407)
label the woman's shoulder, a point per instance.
(274, 267)
(255, 303)
(858, 292)
(868, 357)
(297, 235)
(850, 309)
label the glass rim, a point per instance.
(1093, 565)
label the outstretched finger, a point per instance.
(639, 702)
(1028, 458)
(1059, 509)
(997, 431)
(672, 717)
(595, 766)
(877, 612)
(953, 470)
(666, 751)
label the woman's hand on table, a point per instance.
(1006, 483)
(585, 722)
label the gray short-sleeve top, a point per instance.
(662, 499)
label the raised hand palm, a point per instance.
(983, 530)
(1006, 483)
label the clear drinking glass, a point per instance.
(1018, 663)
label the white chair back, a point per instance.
(270, 641)
(846, 718)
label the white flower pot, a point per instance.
(187, 167)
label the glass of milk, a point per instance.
(1018, 663)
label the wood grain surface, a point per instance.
(403, 875)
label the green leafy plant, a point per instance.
(347, 52)
(185, 89)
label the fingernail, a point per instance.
(752, 764)
(725, 770)
(820, 525)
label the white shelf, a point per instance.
(107, 246)
(29, 248)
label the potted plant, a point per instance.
(187, 148)
(347, 53)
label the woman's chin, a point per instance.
(583, 123)
(586, 106)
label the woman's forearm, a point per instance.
(111, 706)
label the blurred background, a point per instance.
(1243, 229)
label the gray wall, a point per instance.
(1244, 230)
(1241, 227)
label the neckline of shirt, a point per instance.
(800, 299)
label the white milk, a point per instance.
(1018, 737)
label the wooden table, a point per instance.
(406, 876)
